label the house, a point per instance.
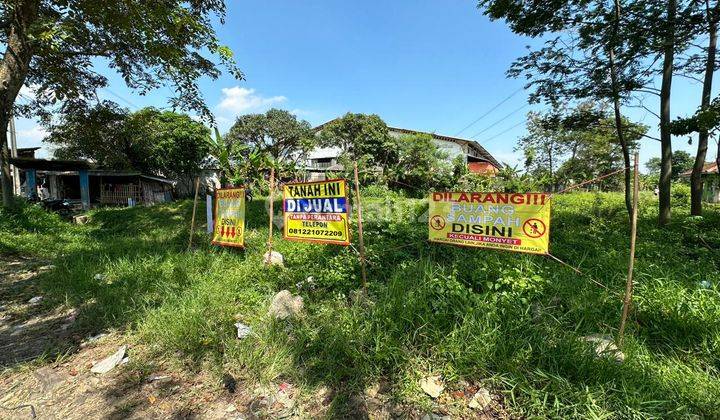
(81, 182)
(711, 182)
(480, 161)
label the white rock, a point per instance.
(604, 346)
(160, 378)
(276, 258)
(35, 300)
(81, 219)
(480, 400)
(432, 385)
(92, 339)
(285, 305)
(109, 363)
(242, 330)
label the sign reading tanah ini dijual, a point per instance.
(316, 212)
(514, 222)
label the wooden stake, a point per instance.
(360, 230)
(192, 221)
(272, 205)
(633, 233)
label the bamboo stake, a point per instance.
(633, 233)
(272, 205)
(192, 221)
(360, 230)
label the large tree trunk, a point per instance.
(665, 136)
(616, 107)
(696, 181)
(13, 70)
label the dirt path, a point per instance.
(45, 373)
(45, 365)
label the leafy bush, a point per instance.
(680, 193)
(24, 216)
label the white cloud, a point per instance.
(242, 100)
(300, 112)
(33, 135)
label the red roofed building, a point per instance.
(711, 182)
(477, 158)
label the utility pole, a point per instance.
(13, 154)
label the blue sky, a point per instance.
(430, 65)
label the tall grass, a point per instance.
(510, 321)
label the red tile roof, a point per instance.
(708, 168)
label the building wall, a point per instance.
(482, 168)
(452, 149)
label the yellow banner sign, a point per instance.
(316, 212)
(229, 227)
(510, 221)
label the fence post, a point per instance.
(360, 230)
(192, 221)
(270, 224)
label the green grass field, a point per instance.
(509, 321)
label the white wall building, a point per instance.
(323, 160)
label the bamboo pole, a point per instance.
(192, 221)
(360, 230)
(633, 234)
(272, 205)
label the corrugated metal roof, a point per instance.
(481, 151)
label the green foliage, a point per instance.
(149, 44)
(680, 193)
(25, 217)
(508, 321)
(277, 134)
(681, 162)
(703, 120)
(421, 166)
(570, 146)
(361, 136)
(149, 140)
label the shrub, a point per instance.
(24, 216)
(680, 193)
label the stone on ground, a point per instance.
(284, 305)
(432, 385)
(276, 258)
(604, 346)
(480, 400)
(109, 363)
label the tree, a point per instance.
(99, 134)
(592, 56)
(177, 143)
(577, 144)
(703, 62)
(601, 50)
(681, 162)
(277, 134)
(421, 164)
(361, 136)
(705, 119)
(151, 141)
(669, 34)
(53, 46)
(542, 148)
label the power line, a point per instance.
(502, 132)
(121, 98)
(499, 121)
(488, 112)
